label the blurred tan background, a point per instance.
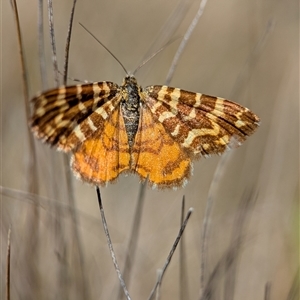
(247, 51)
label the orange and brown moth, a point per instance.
(155, 132)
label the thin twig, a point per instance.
(31, 235)
(205, 226)
(185, 40)
(182, 210)
(41, 45)
(183, 291)
(47, 204)
(133, 239)
(294, 289)
(243, 213)
(77, 237)
(32, 186)
(76, 79)
(168, 260)
(69, 182)
(170, 26)
(53, 45)
(211, 288)
(154, 54)
(244, 74)
(8, 266)
(66, 64)
(110, 246)
(157, 294)
(23, 66)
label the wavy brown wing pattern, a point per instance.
(155, 132)
(64, 117)
(201, 124)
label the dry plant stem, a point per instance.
(215, 277)
(183, 290)
(32, 185)
(46, 204)
(205, 226)
(68, 43)
(59, 232)
(32, 216)
(41, 45)
(42, 202)
(23, 67)
(82, 284)
(184, 41)
(134, 236)
(182, 210)
(153, 55)
(71, 197)
(294, 290)
(168, 260)
(231, 265)
(32, 157)
(214, 182)
(228, 262)
(157, 294)
(8, 266)
(112, 253)
(75, 79)
(244, 74)
(84, 289)
(169, 27)
(267, 291)
(53, 45)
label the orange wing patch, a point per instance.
(157, 156)
(101, 158)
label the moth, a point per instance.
(155, 132)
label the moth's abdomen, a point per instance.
(130, 107)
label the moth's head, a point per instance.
(129, 80)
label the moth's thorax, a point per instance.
(130, 107)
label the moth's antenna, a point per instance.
(105, 48)
(154, 54)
